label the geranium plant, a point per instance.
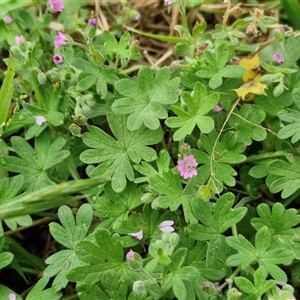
(176, 180)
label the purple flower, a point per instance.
(278, 58)
(166, 226)
(57, 59)
(130, 255)
(187, 166)
(7, 19)
(137, 235)
(40, 120)
(12, 296)
(20, 40)
(168, 2)
(92, 22)
(218, 107)
(56, 5)
(60, 40)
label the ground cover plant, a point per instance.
(146, 160)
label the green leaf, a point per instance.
(118, 205)
(72, 230)
(198, 106)
(217, 158)
(60, 263)
(248, 254)
(5, 259)
(38, 291)
(179, 288)
(169, 188)
(246, 123)
(291, 130)
(102, 254)
(114, 155)
(146, 100)
(33, 164)
(6, 91)
(215, 221)
(289, 176)
(90, 291)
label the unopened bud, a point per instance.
(42, 78)
(75, 129)
(138, 287)
(233, 294)
(87, 110)
(148, 198)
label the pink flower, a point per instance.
(20, 40)
(56, 5)
(7, 19)
(218, 107)
(40, 120)
(166, 226)
(130, 255)
(92, 22)
(60, 40)
(168, 2)
(57, 59)
(137, 235)
(278, 58)
(12, 296)
(187, 166)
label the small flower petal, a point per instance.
(60, 40)
(56, 5)
(92, 22)
(130, 255)
(20, 40)
(137, 235)
(57, 59)
(278, 58)
(40, 120)
(12, 296)
(166, 226)
(7, 19)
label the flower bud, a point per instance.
(148, 198)
(80, 119)
(233, 294)
(42, 78)
(75, 129)
(174, 239)
(208, 287)
(138, 287)
(278, 34)
(87, 110)
(279, 89)
(185, 148)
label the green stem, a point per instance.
(183, 14)
(169, 39)
(234, 230)
(257, 157)
(38, 94)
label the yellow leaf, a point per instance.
(251, 64)
(253, 86)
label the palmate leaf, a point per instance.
(216, 222)
(115, 155)
(71, 231)
(249, 254)
(246, 121)
(216, 161)
(33, 163)
(293, 129)
(287, 175)
(146, 100)
(9, 188)
(198, 105)
(281, 224)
